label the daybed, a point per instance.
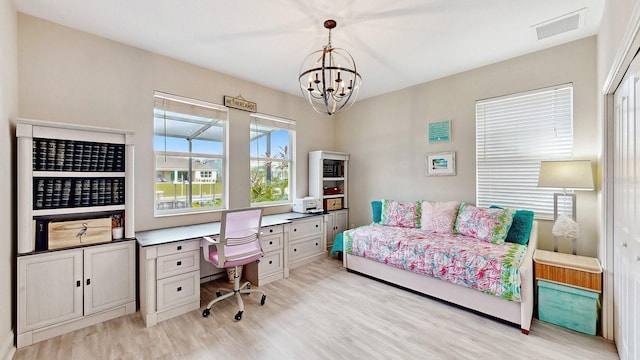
(455, 252)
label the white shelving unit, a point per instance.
(328, 181)
(71, 288)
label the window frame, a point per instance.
(193, 156)
(509, 179)
(279, 123)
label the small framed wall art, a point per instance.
(440, 131)
(440, 164)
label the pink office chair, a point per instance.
(239, 244)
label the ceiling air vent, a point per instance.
(561, 24)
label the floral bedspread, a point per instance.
(490, 268)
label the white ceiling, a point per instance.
(395, 43)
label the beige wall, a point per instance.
(8, 111)
(387, 135)
(71, 76)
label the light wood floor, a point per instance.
(323, 312)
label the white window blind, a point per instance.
(513, 134)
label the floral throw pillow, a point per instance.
(439, 217)
(490, 225)
(400, 213)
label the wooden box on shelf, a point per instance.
(64, 234)
(332, 204)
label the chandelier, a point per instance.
(328, 78)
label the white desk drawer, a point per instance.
(178, 247)
(270, 263)
(176, 264)
(272, 242)
(302, 228)
(308, 247)
(178, 289)
(270, 230)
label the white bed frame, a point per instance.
(512, 311)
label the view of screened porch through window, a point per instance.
(189, 146)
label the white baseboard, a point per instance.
(7, 350)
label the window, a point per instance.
(513, 134)
(272, 159)
(190, 145)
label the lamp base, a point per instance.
(555, 216)
(555, 244)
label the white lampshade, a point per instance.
(570, 174)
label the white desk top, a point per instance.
(180, 233)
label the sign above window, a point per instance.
(240, 103)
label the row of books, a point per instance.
(55, 193)
(332, 170)
(72, 155)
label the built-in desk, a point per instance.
(170, 260)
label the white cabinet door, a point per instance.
(337, 222)
(109, 276)
(49, 289)
(340, 221)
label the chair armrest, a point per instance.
(205, 244)
(210, 240)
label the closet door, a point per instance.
(626, 210)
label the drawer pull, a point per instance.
(270, 262)
(78, 283)
(179, 288)
(179, 247)
(179, 263)
(88, 281)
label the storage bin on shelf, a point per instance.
(569, 288)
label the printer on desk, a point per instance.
(307, 205)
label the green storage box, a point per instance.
(567, 306)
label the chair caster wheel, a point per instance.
(263, 300)
(238, 316)
(206, 312)
(218, 293)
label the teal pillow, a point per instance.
(520, 227)
(376, 211)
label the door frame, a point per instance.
(629, 47)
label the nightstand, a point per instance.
(569, 288)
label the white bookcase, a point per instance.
(328, 181)
(85, 283)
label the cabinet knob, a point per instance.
(624, 245)
(270, 230)
(88, 281)
(179, 263)
(316, 244)
(78, 283)
(270, 262)
(294, 250)
(637, 258)
(179, 247)
(316, 225)
(179, 288)
(270, 242)
(294, 229)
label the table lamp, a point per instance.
(567, 175)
